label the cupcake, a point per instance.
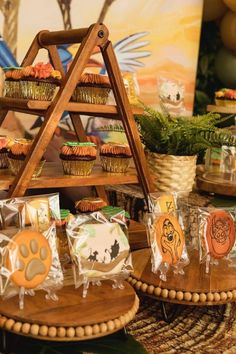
(115, 157)
(92, 88)
(37, 82)
(226, 97)
(4, 146)
(17, 154)
(78, 158)
(89, 204)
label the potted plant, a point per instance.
(173, 144)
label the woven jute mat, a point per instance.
(194, 329)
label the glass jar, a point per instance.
(220, 164)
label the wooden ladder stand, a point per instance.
(94, 36)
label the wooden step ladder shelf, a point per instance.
(53, 177)
(118, 311)
(89, 38)
(40, 107)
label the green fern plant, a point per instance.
(181, 136)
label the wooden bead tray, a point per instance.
(195, 287)
(71, 318)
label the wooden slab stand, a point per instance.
(195, 287)
(216, 186)
(71, 318)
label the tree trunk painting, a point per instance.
(10, 10)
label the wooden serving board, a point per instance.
(221, 187)
(105, 310)
(195, 287)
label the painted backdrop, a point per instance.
(156, 41)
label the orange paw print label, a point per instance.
(28, 259)
(220, 233)
(169, 238)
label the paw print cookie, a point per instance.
(29, 259)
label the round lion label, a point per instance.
(220, 233)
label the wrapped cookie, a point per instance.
(216, 235)
(37, 211)
(29, 257)
(62, 242)
(99, 250)
(162, 202)
(167, 241)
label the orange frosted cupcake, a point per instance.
(92, 88)
(226, 97)
(78, 158)
(90, 204)
(17, 154)
(115, 157)
(37, 82)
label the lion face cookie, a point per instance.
(169, 237)
(28, 259)
(220, 233)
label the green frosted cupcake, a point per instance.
(115, 157)
(78, 158)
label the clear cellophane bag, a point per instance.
(165, 230)
(216, 237)
(29, 258)
(99, 249)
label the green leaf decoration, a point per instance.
(182, 136)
